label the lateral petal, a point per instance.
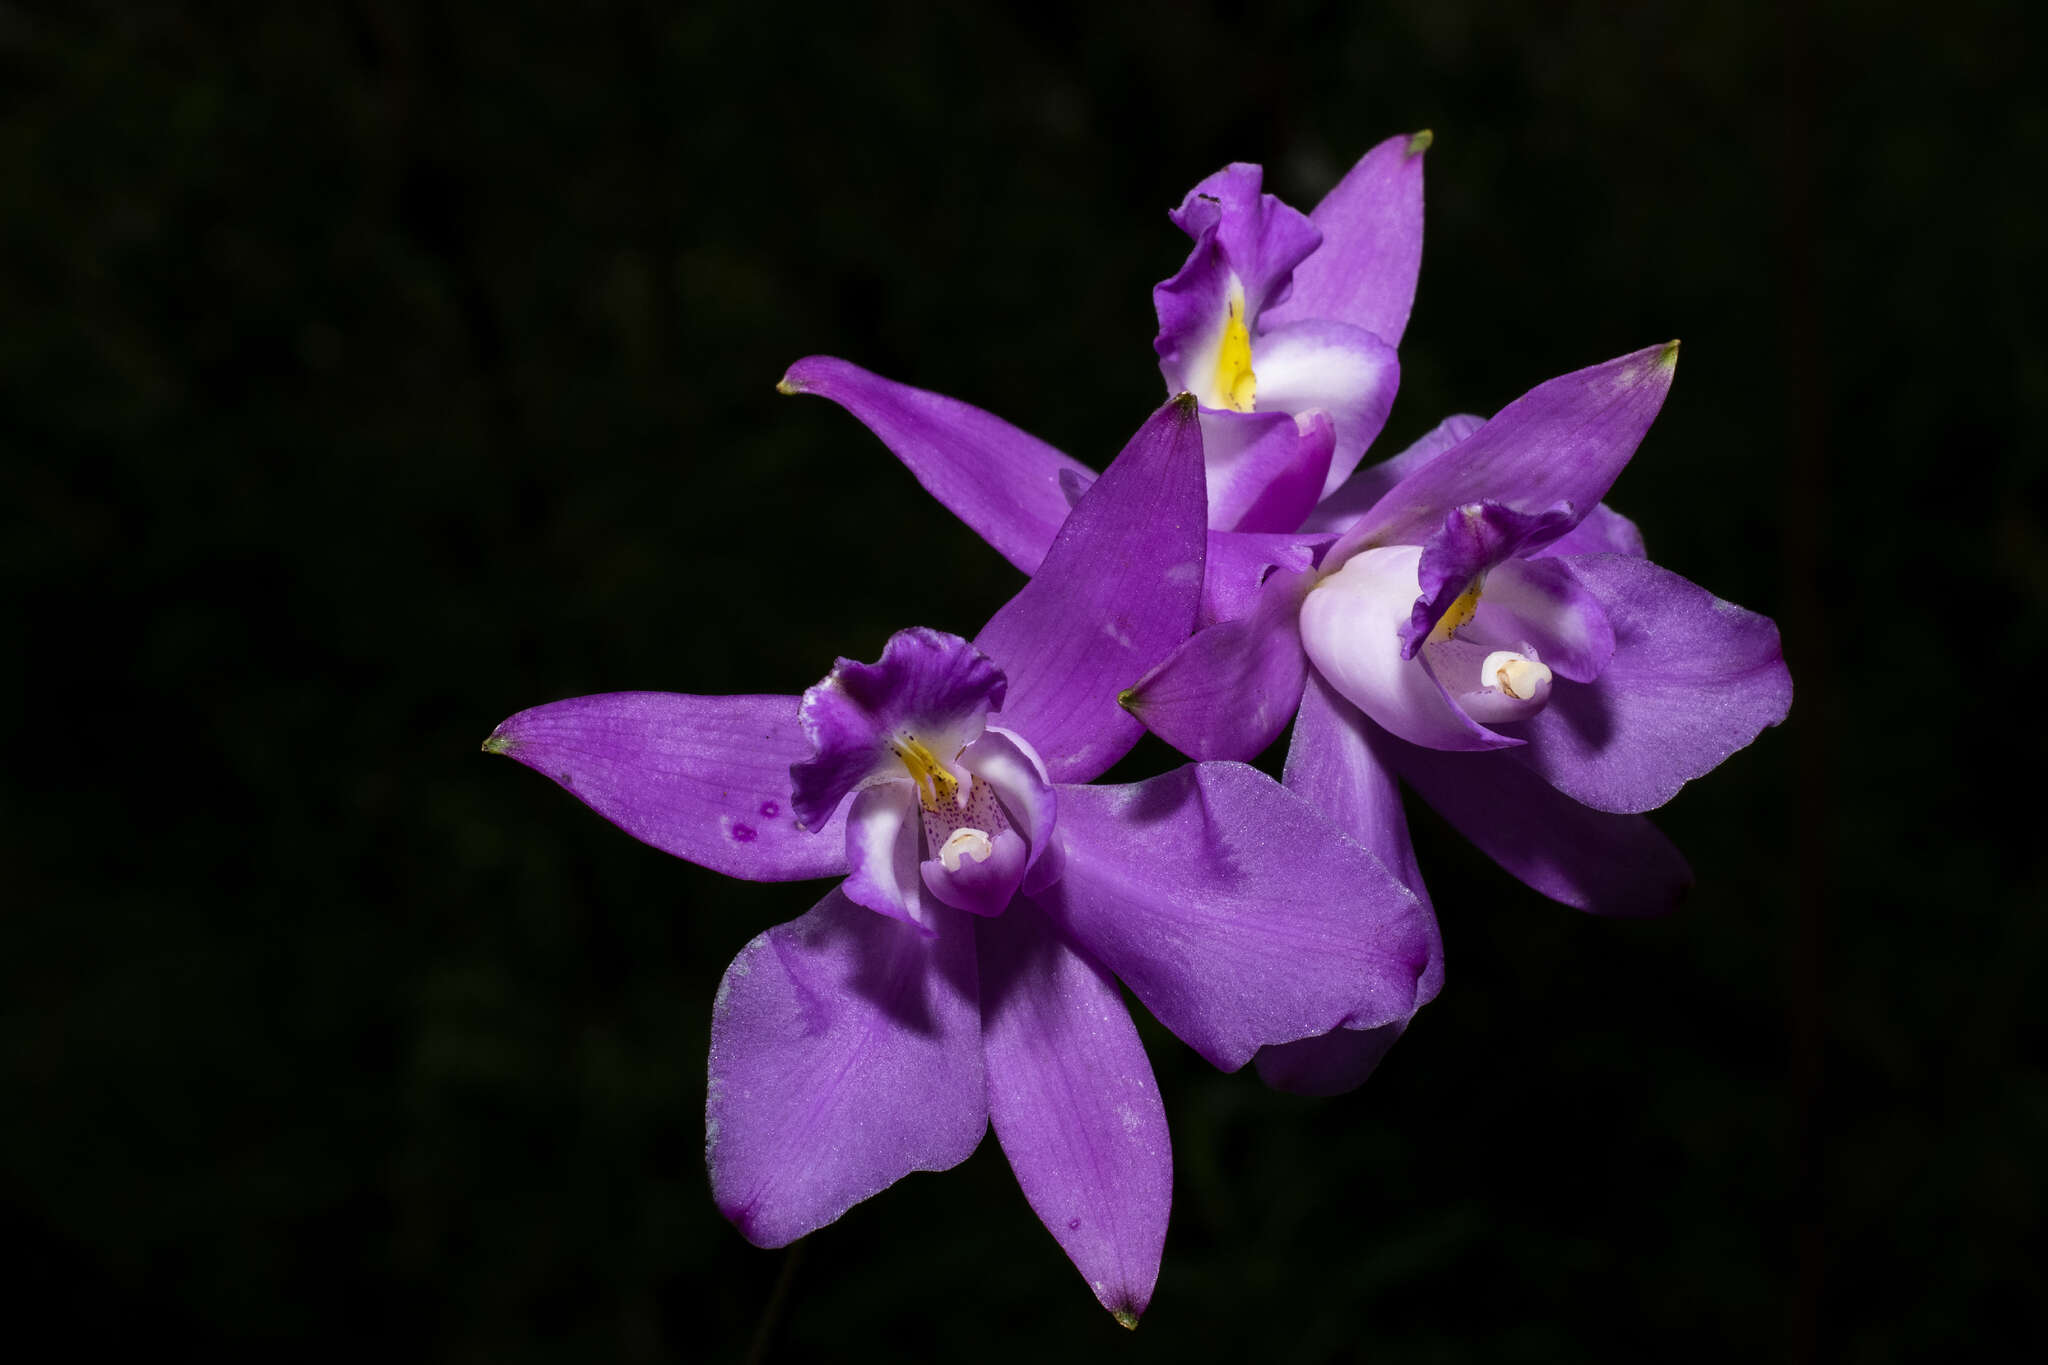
(1074, 1104)
(845, 1054)
(1620, 865)
(1117, 591)
(704, 778)
(1320, 366)
(882, 853)
(1236, 913)
(1692, 680)
(1564, 441)
(1003, 482)
(1365, 271)
(1265, 469)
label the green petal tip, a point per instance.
(1128, 699)
(498, 743)
(1670, 355)
(783, 385)
(1125, 1318)
(1419, 144)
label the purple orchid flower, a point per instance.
(1493, 633)
(1282, 325)
(965, 971)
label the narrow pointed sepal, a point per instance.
(1365, 271)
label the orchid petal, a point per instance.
(1472, 539)
(1693, 679)
(845, 1054)
(1234, 911)
(704, 778)
(1116, 592)
(1364, 273)
(1229, 689)
(1003, 482)
(1604, 864)
(1316, 365)
(1348, 629)
(1002, 759)
(1603, 532)
(1194, 307)
(1564, 441)
(1238, 566)
(1334, 762)
(1342, 509)
(1265, 469)
(1075, 1106)
(979, 885)
(1539, 602)
(882, 853)
(1262, 239)
(928, 685)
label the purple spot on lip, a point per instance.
(1073, 1223)
(743, 834)
(770, 809)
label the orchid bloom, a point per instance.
(1493, 633)
(1282, 325)
(966, 970)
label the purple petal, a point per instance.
(1330, 367)
(1238, 565)
(1265, 470)
(1004, 483)
(1472, 539)
(1349, 626)
(928, 685)
(1692, 680)
(1075, 1107)
(1235, 912)
(845, 1054)
(1116, 592)
(1604, 532)
(1590, 860)
(704, 778)
(1262, 239)
(1194, 308)
(1335, 764)
(882, 844)
(1564, 441)
(1229, 689)
(1539, 602)
(1004, 761)
(1365, 271)
(1342, 509)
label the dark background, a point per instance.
(373, 371)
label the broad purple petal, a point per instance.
(882, 853)
(1604, 532)
(1117, 591)
(1004, 483)
(1341, 510)
(1364, 273)
(1320, 366)
(1693, 679)
(845, 1054)
(1564, 441)
(928, 685)
(1265, 470)
(1335, 763)
(1349, 626)
(1593, 861)
(704, 778)
(1472, 539)
(1262, 239)
(1075, 1107)
(1229, 689)
(1234, 911)
(1238, 566)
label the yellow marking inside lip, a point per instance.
(935, 786)
(1235, 386)
(1459, 614)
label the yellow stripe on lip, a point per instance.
(934, 784)
(1235, 386)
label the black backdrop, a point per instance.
(373, 371)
